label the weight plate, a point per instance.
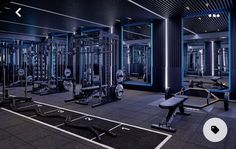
(67, 72)
(68, 85)
(119, 91)
(119, 76)
(21, 72)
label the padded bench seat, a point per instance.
(215, 79)
(173, 102)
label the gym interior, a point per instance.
(126, 74)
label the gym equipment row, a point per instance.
(99, 80)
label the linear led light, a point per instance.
(136, 33)
(212, 58)
(111, 31)
(166, 54)
(190, 31)
(131, 1)
(224, 59)
(34, 35)
(35, 26)
(59, 14)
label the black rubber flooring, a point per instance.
(139, 138)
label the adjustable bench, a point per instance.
(171, 104)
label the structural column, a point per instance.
(174, 54)
(159, 55)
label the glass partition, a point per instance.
(206, 51)
(137, 54)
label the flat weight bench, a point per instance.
(215, 79)
(86, 93)
(171, 104)
(92, 88)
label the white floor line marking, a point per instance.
(108, 130)
(72, 120)
(149, 130)
(61, 130)
(104, 119)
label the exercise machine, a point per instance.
(98, 49)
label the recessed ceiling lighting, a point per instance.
(218, 29)
(210, 15)
(223, 37)
(207, 4)
(188, 8)
(7, 8)
(205, 31)
(117, 20)
(139, 27)
(218, 15)
(214, 15)
(128, 18)
(200, 18)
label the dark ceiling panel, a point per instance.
(11, 28)
(104, 12)
(51, 14)
(204, 24)
(100, 11)
(168, 8)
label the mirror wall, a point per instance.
(137, 59)
(206, 51)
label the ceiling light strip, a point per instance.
(35, 26)
(33, 35)
(59, 14)
(190, 31)
(136, 33)
(131, 1)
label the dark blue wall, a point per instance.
(233, 55)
